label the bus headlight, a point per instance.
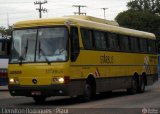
(58, 80)
(14, 80)
(61, 80)
(64, 80)
(11, 80)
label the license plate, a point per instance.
(35, 93)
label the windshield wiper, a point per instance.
(26, 48)
(41, 51)
(21, 58)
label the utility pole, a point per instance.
(8, 20)
(79, 9)
(40, 9)
(104, 9)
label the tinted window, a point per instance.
(113, 41)
(143, 45)
(87, 38)
(134, 44)
(151, 46)
(100, 41)
(74, 43)
(4, 47)
(1, 49)
(124, 43)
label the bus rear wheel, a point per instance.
(134, 86)
(142, 85)
(39, 99)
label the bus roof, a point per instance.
(86, 22)
(95, 19)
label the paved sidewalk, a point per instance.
(5, 95)
(3, 88)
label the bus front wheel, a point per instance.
(39, 99)
(87, 92)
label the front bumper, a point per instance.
(51, 90)
(71, 89)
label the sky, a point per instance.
(18, 10)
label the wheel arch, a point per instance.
(92, 80)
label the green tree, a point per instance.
(2, 30)
(152, 6)
(6, 31)
(141, 15)
(140, 20)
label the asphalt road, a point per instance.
(118, 102)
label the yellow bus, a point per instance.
(79, 56)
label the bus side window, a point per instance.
(87, 38)
(100, 41)
(74, 43)
(134, 44)
(113, 42)
(143, 45)
(8, 47)
(124, 43)
(151, 46)
(3, 45)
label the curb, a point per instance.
(3, 88)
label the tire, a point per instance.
(142, 85)
(87, 95)
(134, 86)
(39, 99)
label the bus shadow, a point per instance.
(67, 101)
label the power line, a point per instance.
(40, 9)
(104, 9)
(79, 9)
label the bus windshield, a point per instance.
(39, 45)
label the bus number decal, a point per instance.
(54, 71)
(106, 59)
(15, 72)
